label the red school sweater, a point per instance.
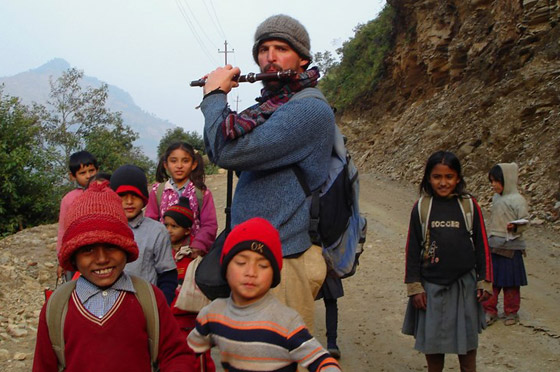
(117, 342)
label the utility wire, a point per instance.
(215, 19)
(193, 15)
(194, 32)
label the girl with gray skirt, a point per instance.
(448, 267)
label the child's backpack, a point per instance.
(57, 306)
(425, 207)
(336, 223)
(199, 195)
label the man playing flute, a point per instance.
(265, 141)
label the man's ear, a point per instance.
(304, 63)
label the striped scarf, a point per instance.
(236, 125)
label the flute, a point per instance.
(252, 77)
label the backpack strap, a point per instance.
(424, 210)
(146, 297)
(159, 193)
(315, 195)
(57, 307)
(199, 198)
(314, 208)
(467, 207)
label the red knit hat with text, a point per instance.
(257, 235)
(96, 216)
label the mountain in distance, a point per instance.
(33, 86)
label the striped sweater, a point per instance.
(263, 336)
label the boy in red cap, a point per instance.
(253, 330)
(105, 327)
(155, 262)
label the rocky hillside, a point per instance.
(478, 77)
(27, 267)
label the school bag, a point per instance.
(161, 187)
(335, 220)
(57, 306)
(425, 207)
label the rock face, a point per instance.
(27, 267)
(480, 78)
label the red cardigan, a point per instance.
(117, 342)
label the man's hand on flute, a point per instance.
(222, 78)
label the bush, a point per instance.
(362, 63)
(27, 184)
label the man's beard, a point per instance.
(273, 85)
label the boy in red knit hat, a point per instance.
(253, 330)
(105, 327)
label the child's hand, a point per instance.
(419, 301)
(482, 295)
(510, 227)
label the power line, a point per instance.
(214, 20)
(217, 19)
(194, 33)
(193, 15)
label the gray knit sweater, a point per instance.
(299, 132)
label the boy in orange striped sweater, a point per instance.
(252, 329)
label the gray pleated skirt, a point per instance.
(452, 320)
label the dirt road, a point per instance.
(371, 312)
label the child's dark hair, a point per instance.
(79, 159)
(496, 174)
(196, 176)
(445, 158)
(99, 176)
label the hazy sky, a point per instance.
(154, 48)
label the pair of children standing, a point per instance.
(449, 270)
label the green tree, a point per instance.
(114, 147)
(324, 61)
(179, 135)
(77, 118)
(28, 187)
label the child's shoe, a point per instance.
(511, 319)
(491, 319)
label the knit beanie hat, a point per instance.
(181, 213)
(96, 216)
(285, 28)
(130, 178)
(257, 235)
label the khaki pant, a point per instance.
(302, 277)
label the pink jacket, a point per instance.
(65, 204)
(205, 224)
